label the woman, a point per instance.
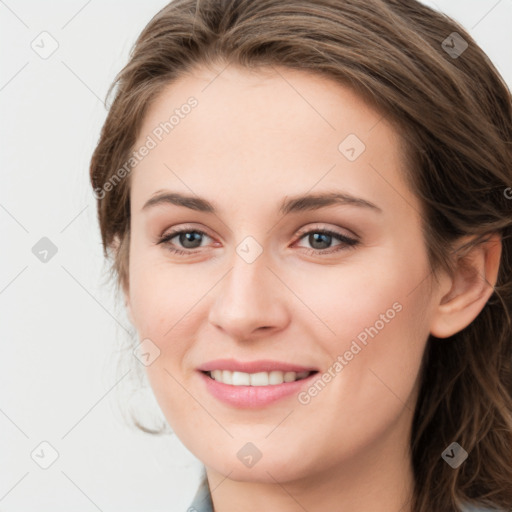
(309, 211)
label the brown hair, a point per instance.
(455, 114)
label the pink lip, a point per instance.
(263, 365)
(252, 396)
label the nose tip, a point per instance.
(247, 303)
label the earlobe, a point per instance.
(472, 284)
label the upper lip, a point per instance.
(262, 365)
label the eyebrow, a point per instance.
(290, 205)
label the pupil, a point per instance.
(190, 237)
(315, 237)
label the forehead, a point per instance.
(261, 131)
(261, 102)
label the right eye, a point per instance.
(187, 238)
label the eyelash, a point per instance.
(347, 243)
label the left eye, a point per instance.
(324, 237)
(191, 239)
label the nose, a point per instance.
(249, 301)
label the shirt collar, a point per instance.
(202, 501)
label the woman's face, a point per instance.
(258, 281)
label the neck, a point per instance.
(381, 479)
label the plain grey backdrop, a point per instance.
(63, 399)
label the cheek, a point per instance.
(381, 332)
(376, 316)
(364, 297)
(163, 294)
(165, 309)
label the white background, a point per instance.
(60, 324)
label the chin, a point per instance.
(276, 466)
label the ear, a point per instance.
(469, 288)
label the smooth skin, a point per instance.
(254, 140)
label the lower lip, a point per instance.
(253, 396)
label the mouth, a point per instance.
(272, 378)
(257, 390)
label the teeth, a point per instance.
(256, 379)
